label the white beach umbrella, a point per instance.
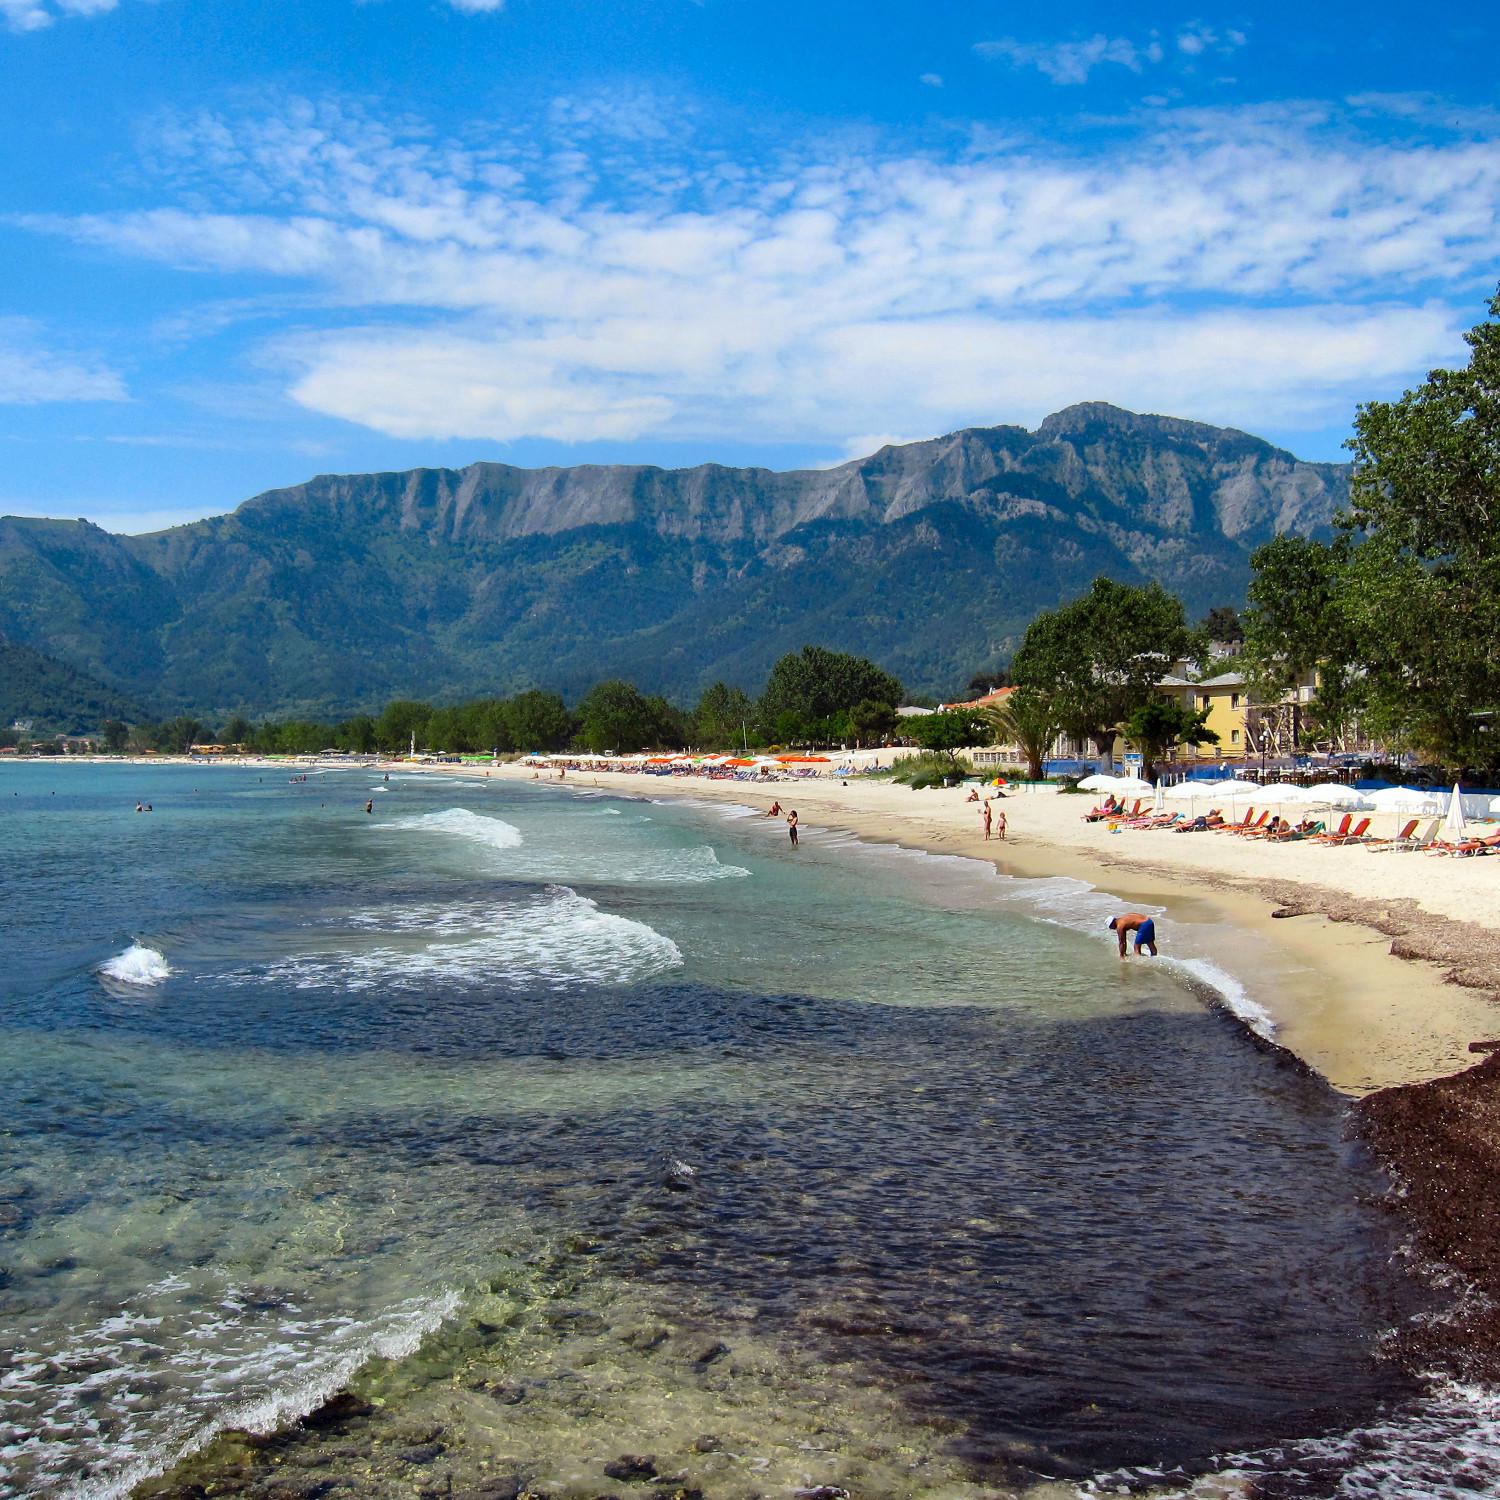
(1335, 795)
(1132, 785)
(1495, 805)
(1455, 828)
(1284, 791)
(1159, 792)
(1403, 799)
(1188, 791)
(1237, 790)
(1099, 782)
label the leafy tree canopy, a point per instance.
(951, 730)
(815, 683)
(723, 717)
(1101, 656)
(1028, 719)
(538, 721)
(614, 715)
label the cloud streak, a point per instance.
(608, 278)
(37, 15)
(1071, 62)
(31, 373)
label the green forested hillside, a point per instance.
(342, 593)
(55, 697)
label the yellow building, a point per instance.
(1226, 701)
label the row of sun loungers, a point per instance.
(1348, 832)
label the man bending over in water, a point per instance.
(1144, 929)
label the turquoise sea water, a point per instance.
(569, 1127)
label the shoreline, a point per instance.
(1359, 1020)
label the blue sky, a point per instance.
(248, 242)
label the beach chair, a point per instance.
(1415, 844)
(1244, 822)
(1255, 830)
(1339, 832)
(1376, 845)
(1354, 835)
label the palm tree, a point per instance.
(1028, 719)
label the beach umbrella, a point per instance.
(1234, 788)
(1335, 795)
(1188, 791)
(1402, 799)
(1495, 805)
(1283, 791)
(1098, 782)
(1132, 785)
(1159, 792)
(1455, 829)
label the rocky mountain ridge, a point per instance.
(930, 556)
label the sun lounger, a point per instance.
(1403, 838)
(1351, 836)
(1340, 831)
(1243, 823)
(1416, 842)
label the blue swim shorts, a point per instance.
(1145, 933)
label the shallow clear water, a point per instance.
(607, 1127)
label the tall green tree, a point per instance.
(356, 735)
(722, 718)
(1099, 657)
(399, 721)
(872, 722)
(1423, 583)
(538, 721)
(615, 716)
(815, 683)
(116, 734)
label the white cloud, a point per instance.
(932, 80)
(477, 7)
(31, 373)
(1248, 267)
(36, 15)
(1071, 62)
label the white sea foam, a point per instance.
(138, 966)
(250, 1376)
(559, 939)
(1230, 993)
(459, 822)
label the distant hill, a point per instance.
(930, 557)
(55, 697)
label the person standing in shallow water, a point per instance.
(1143, 927)
(988, 817)
(791, 826)
(370, 805)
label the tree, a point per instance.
(486, 725)
(1027, 719)
(951, 730)
(872, 721)
(237, 729)
(987, 680)
(1101, 656)
(1222, 623)
(1161, 725)
(116, 734)
(179, 735)
(1422, 583)
(615, 716)
(356, 735)
(722, 717)
(815, 683)
(538, 721)
(399, 721)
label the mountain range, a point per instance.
(930, 557)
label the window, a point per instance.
(1234, 700)
(1234, 736)
(1204, 701)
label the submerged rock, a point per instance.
(631, 1466)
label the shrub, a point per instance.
(930, 768)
